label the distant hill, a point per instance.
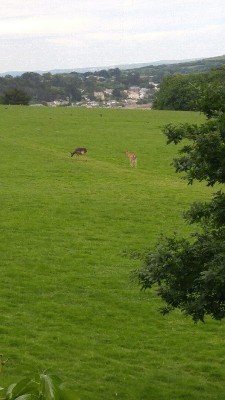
(92, 69)
(158, 72)
(195, 65)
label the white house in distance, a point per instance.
(99, 95)
(133, 93)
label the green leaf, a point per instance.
(23, 387)
(50, 386)
(25, 396)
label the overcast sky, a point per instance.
(52, 34)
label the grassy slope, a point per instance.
(66, 302)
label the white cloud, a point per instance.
(119, 30)
(42, 26)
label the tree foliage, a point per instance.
(190, 273)
(40, 387)
(185, 92)
(177, 92)
(15, 97)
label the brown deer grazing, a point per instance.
(79, 151)
(132, 157)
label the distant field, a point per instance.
(66, 302)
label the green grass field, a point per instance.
(66, 300)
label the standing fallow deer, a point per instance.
(132, 157)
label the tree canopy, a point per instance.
(184, 92)
(177, 93)
(190, 273)
(15, 97)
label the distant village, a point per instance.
(134, 97)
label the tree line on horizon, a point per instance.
(178, 84)
(72, 87)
